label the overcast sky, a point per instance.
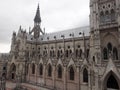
(56, 15)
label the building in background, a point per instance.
(86, 58)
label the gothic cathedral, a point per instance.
(84, 58)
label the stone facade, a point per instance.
(73, 59)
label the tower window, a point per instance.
(109, 46)
(112, 15)
(115, 54)
(105, 54)
(102, 17)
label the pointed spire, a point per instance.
(37, 18)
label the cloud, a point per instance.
(56, 15)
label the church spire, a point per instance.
(37, 18)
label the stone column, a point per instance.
(65, 77)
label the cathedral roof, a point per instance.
(66, 34)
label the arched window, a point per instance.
(13, 67)
(85, 75)
(53, 53)
(49, 70)
(58, 53)
(115, 54)
(87, 53)
(59, 71)
(107, 16)
(13, 71)
(76, 53)
(93, 58)
(112, 15)
(41, 69)
(61, 53)
(71, 73)
(105, 54)
(50, 53)
(66, 53)
(43, 53)
(109, 46)
(101, 17)
(33, 68)
(70, 52)
(80, 53)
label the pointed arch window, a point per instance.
(41, 69)
(59, 71)
(70, 52)
(49, 70)
(80, 53)
(50, 53)
(107, 16)
(61, 53)
(66, 53)
(87, 53)
(112, 15)
(102, 17)
(105, 54)
(85, 75)
(76, 53)
(115, 53)
(33, 68)
(58, 53)
(71, 73)
(53, 54)
(93, 58)
(109, 46)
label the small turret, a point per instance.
(14, 38)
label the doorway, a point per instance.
(112, 83)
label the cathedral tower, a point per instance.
(37, 25)
(104, 25)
